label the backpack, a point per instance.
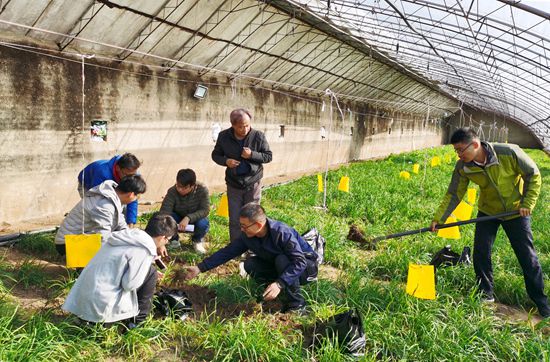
(447, 257)
(173, 302)
(347, 329)
(317, 243)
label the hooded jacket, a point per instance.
(509, 180)
(106, 290)
(102, 214)
(227, 146)
(101, 170)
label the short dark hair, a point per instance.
(186, 177)
(237, 115)
(128, 161)
(253, 212)
(463, 135)
(161, 225)
(132, 183)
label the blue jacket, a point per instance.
(101, 170)
(284, 240)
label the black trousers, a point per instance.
(519, 233)
(145, 295)
(264, 271)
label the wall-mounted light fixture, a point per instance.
(200, 92)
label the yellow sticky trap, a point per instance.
(449, 233)
(463, 211)
(80, 249)
(344, 184)
(436, 161)
(421, 281)
(223, 207)
(471, 196)
(416, 168)
(319, 183)
(404, 175)
(447, 158)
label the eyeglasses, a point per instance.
(461, 151)
(244, 227)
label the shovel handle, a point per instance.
(438, 227)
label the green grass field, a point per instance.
(230, 325)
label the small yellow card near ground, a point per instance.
(223, 207)
(344, 184)
(449, 233)
(81, 249)
(421, 281)
(463, 211)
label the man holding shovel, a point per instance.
(508, 180)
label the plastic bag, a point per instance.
(317, 243)
(173, 302)
(347, 329)
(447, 257)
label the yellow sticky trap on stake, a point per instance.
(449, 233)
(447, 158)
(80, 249)
(436, 161)
(404, 175)
(471, 196)
(416, 168)
(421, 281)
(223, 207)
(319, 183)
(344, 184)
(463, 211)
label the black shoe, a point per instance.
(299, 310)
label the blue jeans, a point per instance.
(201, 228)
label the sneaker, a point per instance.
(242, 271)
(199, 247)
(487, 299)
(300, 310)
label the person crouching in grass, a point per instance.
(119, 282)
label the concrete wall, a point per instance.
(43, 143)
(494, 128)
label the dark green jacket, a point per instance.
(509, 180)
(195, 205)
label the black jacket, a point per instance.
(228, 146)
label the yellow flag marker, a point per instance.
(223, 207)
(471, 196)
(404, 175)
(463, 211)
(344, 184)
(421, 281)
(80, 249)
(416, 168)
(449, 233)
(436, 161)
(319, 183)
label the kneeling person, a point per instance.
(119, 282)
(282, 258)
(189, 204)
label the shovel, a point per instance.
(458, 223)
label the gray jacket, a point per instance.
(102, 214)
(106, 290)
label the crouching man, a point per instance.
(282, 260)
(119, 282)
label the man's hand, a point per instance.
(247, 153)
(433, 226)
(162, 252)
(183, 223)
(191, 272)
(523, 211)
(272, 291)
(231, 163)
(160, 275)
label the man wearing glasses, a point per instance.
(282, 260)
(508, 180)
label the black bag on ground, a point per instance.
(172, 302)
(447, 257)
(317, 243)
(347, 329)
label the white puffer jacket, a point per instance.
(106, 290)
(102, 214)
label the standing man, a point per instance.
(114, 169)
(243, 151)
(100, 210)
(189, 204)
(508, 180)
(282, 259)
